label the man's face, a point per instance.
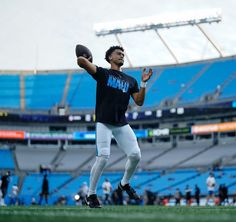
(117, 57)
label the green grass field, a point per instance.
(118, 213)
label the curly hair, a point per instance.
(111, 50)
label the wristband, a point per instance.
(143, 84)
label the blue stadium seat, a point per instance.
(171, 81)
(187, 82)
(10, 91)
(229, 90)
(44, 91)
(13, 181)
(32, 186)
(82, 92)
(6, 159)
(217, 73)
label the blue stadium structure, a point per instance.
(177, 150)
(10, 91)
(6, 159)
(181, 84)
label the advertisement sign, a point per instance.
(182, 130)
(48, 136)
(12, 134)
(159, 132)
(84, 135)
(216, 127)
(92, 135)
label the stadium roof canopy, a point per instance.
(157, 22)
(192, 18)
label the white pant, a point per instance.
(123, 135)
(126, 140)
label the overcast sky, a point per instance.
(43, 33)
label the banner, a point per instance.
(12, 134)
(216, 127)
(182, 130)
(158, 132)
(92, 135)
(49, 136)
(84, 135)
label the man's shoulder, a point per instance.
(102, 69)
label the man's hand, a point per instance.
(81, 60)
(146, 76)
(86, 64)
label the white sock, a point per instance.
(130, 167)
(96, 172)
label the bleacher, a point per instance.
(183, 84)
(214, 76)
(30, 159)
(216, 154)
(164, 166)
(163, 183)
(42, 92)
(13, 181)
(74, 158)
(157, 176)
(229, 89)
(6, 159)
(82, 92)
(155, 156)
(10, 91)
(175, 156)
(32, 183)
(225, 176)
(171, 81)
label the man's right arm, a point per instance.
(87, 65)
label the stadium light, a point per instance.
(158, 22)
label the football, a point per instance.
(81, 50)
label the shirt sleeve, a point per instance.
(100, 74)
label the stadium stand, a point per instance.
(224, 176)
(168, 162)
(6, 159)
(228, 88)
(170, 82)
(71, 188)
(216, 73)
(175, 157)
(13, 181)
(44, 91)
(165, 184)
(77, 98)
(180, 84)
(10, 91)
(217, 154)
(32, 183)
(74, 158)
(35, 157)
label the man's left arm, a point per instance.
(139, 97)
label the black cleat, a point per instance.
(92, 201)
(130, 191)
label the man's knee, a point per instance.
(103, 150)
(103, 159)
(135, 156)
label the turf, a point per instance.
(118, 213)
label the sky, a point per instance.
(42, 34)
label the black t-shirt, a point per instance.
(114, 89)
